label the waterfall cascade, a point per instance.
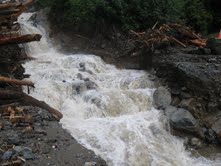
(106, 109)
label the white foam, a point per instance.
(116, 119)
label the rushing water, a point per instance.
(106, 109)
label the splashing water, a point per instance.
(106, 109)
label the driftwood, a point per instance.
(29, 100)
(16, 81)
(10, 5)
(20, 39)
(198, 42)
(15, 5)
(167, 34)
(12, 163)
(9, 11)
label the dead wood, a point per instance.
(20, 39)
(16, 81)
(16, 5)
(198, 42)
(10, 5)
(12, 163)
(9, 11)
(167, 34)
(27, 3)
(29, 100)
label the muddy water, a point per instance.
(106, 109)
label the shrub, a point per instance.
(131, 14)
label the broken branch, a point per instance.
(16, 81)
(29, 100)
(20, 39)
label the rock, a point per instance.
(195, 142)
(162, 98)
(185, 95)
(44, 148)
(79, 86)
(210, 135)
(7, 155)
(13, 138)
(214, 45)
(175, 101)
(181, 119)
(103, 46)
(207, 51)
(90, 164)
(8, 125)
(27, 153)
(82, 66)
(39, 130)
(175, 91)
(80, 76)
(169, 111)
(212, 107)
(90, 85)
(189, 104)
(18, 148)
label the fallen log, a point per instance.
(29, 100)
(10, 5)
(12, 163)
(20, 39)
(198, 42)
(9, 11)
(16, 81)
(16, 4)
(27, 3)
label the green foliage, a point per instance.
(44, 3)
(197, 16)
(131, 14)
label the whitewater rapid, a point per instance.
(106, 109)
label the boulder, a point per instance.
(162, 98)
(181, 119)
(214, 45)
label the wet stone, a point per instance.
(175, 101)
(7, 155)
(210, 135)
(44, 148)
(195, 142)
(27, 154)
(8, 125)
(18, 148)
(13, 138)
(162, 98)
(39, 130)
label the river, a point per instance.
(106, 109)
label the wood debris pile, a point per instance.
(167, 34)
(21, 119)
(12, 98)
(15, 115)
(9, 35)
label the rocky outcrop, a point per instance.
(195, 84)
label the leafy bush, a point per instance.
(197, 16)
(131, 14)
